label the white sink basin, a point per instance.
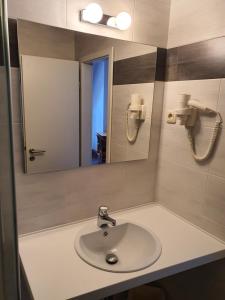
(133, 246)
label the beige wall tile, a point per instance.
(140, 179)
(181, 189)
(176, 148)
(217, 165)
(192, 21)
(151, 19)
(211, 226)
(214, 201)
(46, 200)
(118, 151)
(51, 12)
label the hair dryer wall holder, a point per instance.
(187, 114)
(139, 110)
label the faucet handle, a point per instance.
(103, 211)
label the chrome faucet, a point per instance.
(104, 218)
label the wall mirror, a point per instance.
(86, 99)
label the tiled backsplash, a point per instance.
(194, 191)
(195, 65)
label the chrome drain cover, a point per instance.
(111, 259)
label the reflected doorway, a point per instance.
(99, 109)
(95, 106)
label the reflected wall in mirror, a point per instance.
(87, 99)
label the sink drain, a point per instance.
(111, 259)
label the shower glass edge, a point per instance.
(9, 258)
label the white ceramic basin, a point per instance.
(135, 247)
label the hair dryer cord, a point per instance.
(212, 142)
(132, 139)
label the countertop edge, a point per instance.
(173, 267)
(150, 277)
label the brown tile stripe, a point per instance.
(161, 64)
(203, 60)
(1, 49)
(138, 69)
(13, 43)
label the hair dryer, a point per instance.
(187, 115)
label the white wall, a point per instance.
(150, 17)
(195, 20)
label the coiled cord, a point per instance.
(212, 142)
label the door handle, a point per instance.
(36, 152)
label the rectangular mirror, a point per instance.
(86, 99)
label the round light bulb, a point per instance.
(112, 22)
(123, 20)
(92, 13)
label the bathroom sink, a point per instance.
(126, 247)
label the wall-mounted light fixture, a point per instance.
(93, 13)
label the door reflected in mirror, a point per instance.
(86, 99)
(96, 80)
(99, 109)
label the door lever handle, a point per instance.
(36, 152)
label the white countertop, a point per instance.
(55, 272)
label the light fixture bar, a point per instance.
(93, 14)
(103, 21)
